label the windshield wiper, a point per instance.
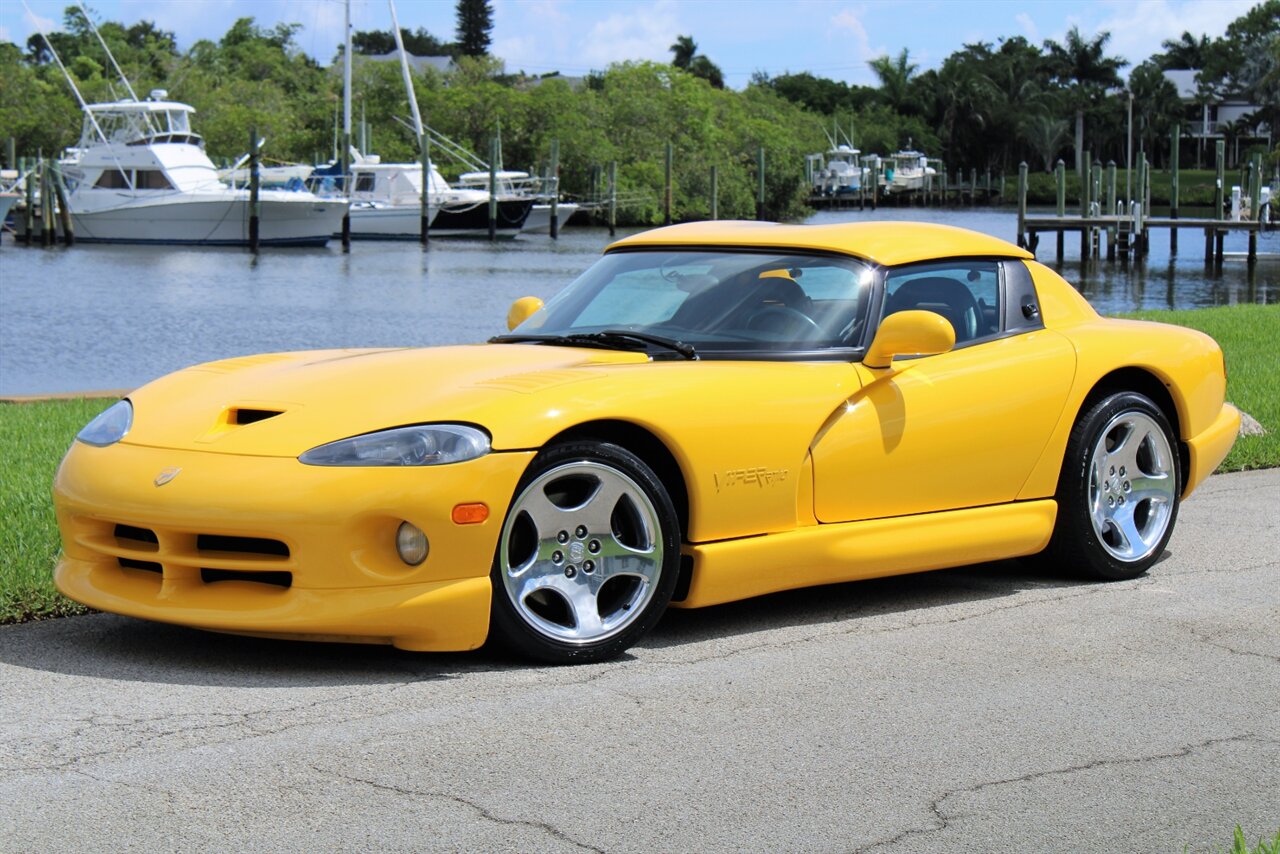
(608, 339)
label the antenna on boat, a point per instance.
(110, 55)
(70, 81)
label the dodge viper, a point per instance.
(710, 412)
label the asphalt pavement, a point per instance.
(992, 708)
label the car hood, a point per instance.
(282, 404)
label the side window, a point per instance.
(112, 179)
(151, 179)
(967, 293)
(364, 182)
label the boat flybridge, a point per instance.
(140, 175)
(512, 184)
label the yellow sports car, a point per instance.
(710, 412)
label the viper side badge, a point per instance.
(167, 475)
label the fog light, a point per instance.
(411, 543)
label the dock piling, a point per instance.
(1086, 163)
(64, 211)
(1255, 204)
(1022, 204)
(666, 181)
(254, 189)
(555, 189)
(760, 177)
(1175, 137)
(424, 213)
(715, 192)
(1060, 180)
(493, 188)
(613, 197)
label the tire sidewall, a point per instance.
(1077, 544)
(509, 628)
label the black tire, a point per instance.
(593, 573)
(1121, 450)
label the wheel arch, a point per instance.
(1149, 384)
(645, 445)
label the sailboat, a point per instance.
(387, 198)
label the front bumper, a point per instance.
(266, 545)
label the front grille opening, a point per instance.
(137, 535)
(251, 416)
(146, 565)
(241, 545)
(275, 579)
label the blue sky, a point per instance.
(831, 38)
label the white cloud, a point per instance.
(1029, 28)
(646, 33)
(1138, 27)
(847, 28)
(4, 34)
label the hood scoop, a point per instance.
(236, 417)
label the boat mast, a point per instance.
(110, 55)
(417, 121)
(346, 93)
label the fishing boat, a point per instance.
(841, 175)
(140, 175)
(908, 171)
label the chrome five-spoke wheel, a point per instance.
(586, 555)
(1132, 486)
(1118, 491)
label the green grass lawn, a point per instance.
(1250, 336)
(36, 435)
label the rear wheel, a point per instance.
(588, 555)
(1118, 492)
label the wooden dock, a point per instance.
(1128, 226)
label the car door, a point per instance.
(958, 429)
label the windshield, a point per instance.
(718, 301)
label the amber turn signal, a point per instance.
(470, 514)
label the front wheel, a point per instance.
(1118, 492)
(588, 555)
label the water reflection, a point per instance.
(99, 317)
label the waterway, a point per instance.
(114, 317)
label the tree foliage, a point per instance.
(475, 27)
(986, 106)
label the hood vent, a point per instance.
(239, 417)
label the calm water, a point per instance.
(114, 317)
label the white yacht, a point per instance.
(908, 171)
(140, 175)
(513, 184)
(386, 204)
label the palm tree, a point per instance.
(1046, 135)
(1186, 52)
(683, 51)
(1087, 72)
(895, 76)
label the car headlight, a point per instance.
(110, 426)
(420, 445)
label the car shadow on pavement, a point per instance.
(107, 646)
(856, 600)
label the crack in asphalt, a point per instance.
(483, 812)
(942, 821)
(1209, 640)
(109, 724)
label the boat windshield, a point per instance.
(723, 302)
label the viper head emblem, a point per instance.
(167, 475)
